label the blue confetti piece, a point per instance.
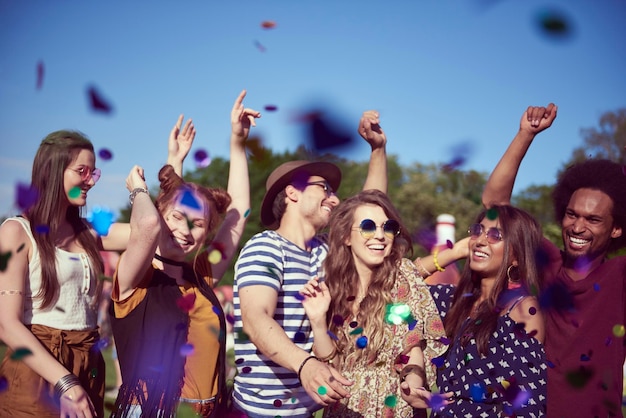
(477, 392)
(361, 342)
(189, 200)
(186, 350)
(331, 335)
(596, 287)
(101, 220)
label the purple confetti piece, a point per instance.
(186, 350)
(105, 154)
(202, 158)
(97, 102)
(25, 196)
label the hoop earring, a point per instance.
(514, 282)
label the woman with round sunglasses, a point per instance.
(495, 365)
(372, 315)
(49, 290)
(49, 287)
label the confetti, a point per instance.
(300, 337)
(25, 196)
(579, 378)
(596, 287)
(93, 373)
(186, 302)
(492, 214)
(449, 244)
(202, 158)
(101, 220)
(271, 108)
(436, 402)
(619, 330)
(391, 401)
(278, 403)
(247, 213)
(246, 369)
(324, 134)
(259, 46)
(40, 75)
(188, 199)
(97, 102)
(74, 192)
(4, 260)
(338, 320)
(438, 361)
(42, 229)
(332, 336)
(444, 340)
(356, 331)
(268, 24)
(20, 353)
(215, 256)
(105, 154)
(554, 24)
(4, 384)
(477, 392)
(361, 342)
(186, 350)
(532, 310)
(322, 390)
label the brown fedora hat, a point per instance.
(286, 173)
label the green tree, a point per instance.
(607, 141)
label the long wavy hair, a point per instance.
(343, 281)
(216, 201)
(55, 154)
(522, 237)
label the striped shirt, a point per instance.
(263, 388)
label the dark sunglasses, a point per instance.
(86, 173)
(324, 185)
(367, 228)
(493, 234)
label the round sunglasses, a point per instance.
(87, 173)
(493, 234)
(367, 228)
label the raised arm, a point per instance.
(370, 130)
(499, 187)
(145, 228)
(179, 143)
(229, 233)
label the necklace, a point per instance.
(170, 261)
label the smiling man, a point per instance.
(277, 376)
(584, 292)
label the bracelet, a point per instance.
(65, 383)
(437, 266)
(329, 357)
(421, 269)
(135, 192)
(302, 365)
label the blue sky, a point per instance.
(440, 72)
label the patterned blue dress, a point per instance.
(509, 381)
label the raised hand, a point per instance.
(136, 179)
(370, 130)
(242, 118)
(179, 143)
(537, 118)
(317, 300)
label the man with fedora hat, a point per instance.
(277, 375)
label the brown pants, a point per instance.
(29, 395)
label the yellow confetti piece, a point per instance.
(505, 384)
(215, 256)
(619, 330)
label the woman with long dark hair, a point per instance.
(495, 365)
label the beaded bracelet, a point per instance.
(65, 383)
(435, 262)
(302, 365)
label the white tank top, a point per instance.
(74, 308)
